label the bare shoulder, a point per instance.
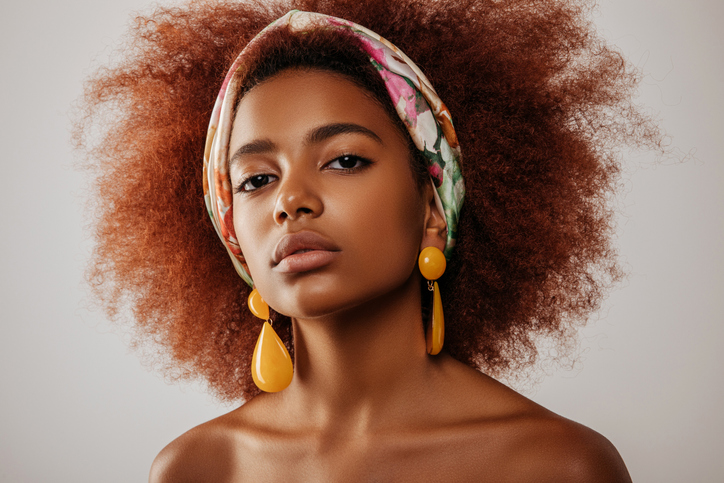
(523, 441)
(204, 453)
(556, 449)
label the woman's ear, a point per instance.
(435, 234)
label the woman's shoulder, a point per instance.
(552, 448)
(524, 441)
(208, 452)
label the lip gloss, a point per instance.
(306, 260)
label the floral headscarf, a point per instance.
(416, 102)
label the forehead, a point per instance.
(295, 100)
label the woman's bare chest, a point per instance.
(360, 459)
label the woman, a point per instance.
(332, 170)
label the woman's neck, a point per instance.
(356, 367)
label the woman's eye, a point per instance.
(348, 162)
(255, 182)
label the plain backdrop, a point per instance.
(77, 406)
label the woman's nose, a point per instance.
(296, 198)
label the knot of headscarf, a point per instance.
(427, 120)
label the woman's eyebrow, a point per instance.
(317, 135)
(257, 146)
(330, 130)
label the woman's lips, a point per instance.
(303, 251)
(306, 261)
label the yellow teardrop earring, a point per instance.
(432, 265)
(271, 365)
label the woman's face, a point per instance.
(326, 209)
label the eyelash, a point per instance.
(365, 163)
(243, 182)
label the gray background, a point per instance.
(76, 406)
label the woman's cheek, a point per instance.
(393, 231)
(249, 231)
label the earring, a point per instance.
(432, 265)
(271, 365)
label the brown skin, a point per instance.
(366, 402)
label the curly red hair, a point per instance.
(540, 105)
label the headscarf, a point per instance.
(427, 120)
